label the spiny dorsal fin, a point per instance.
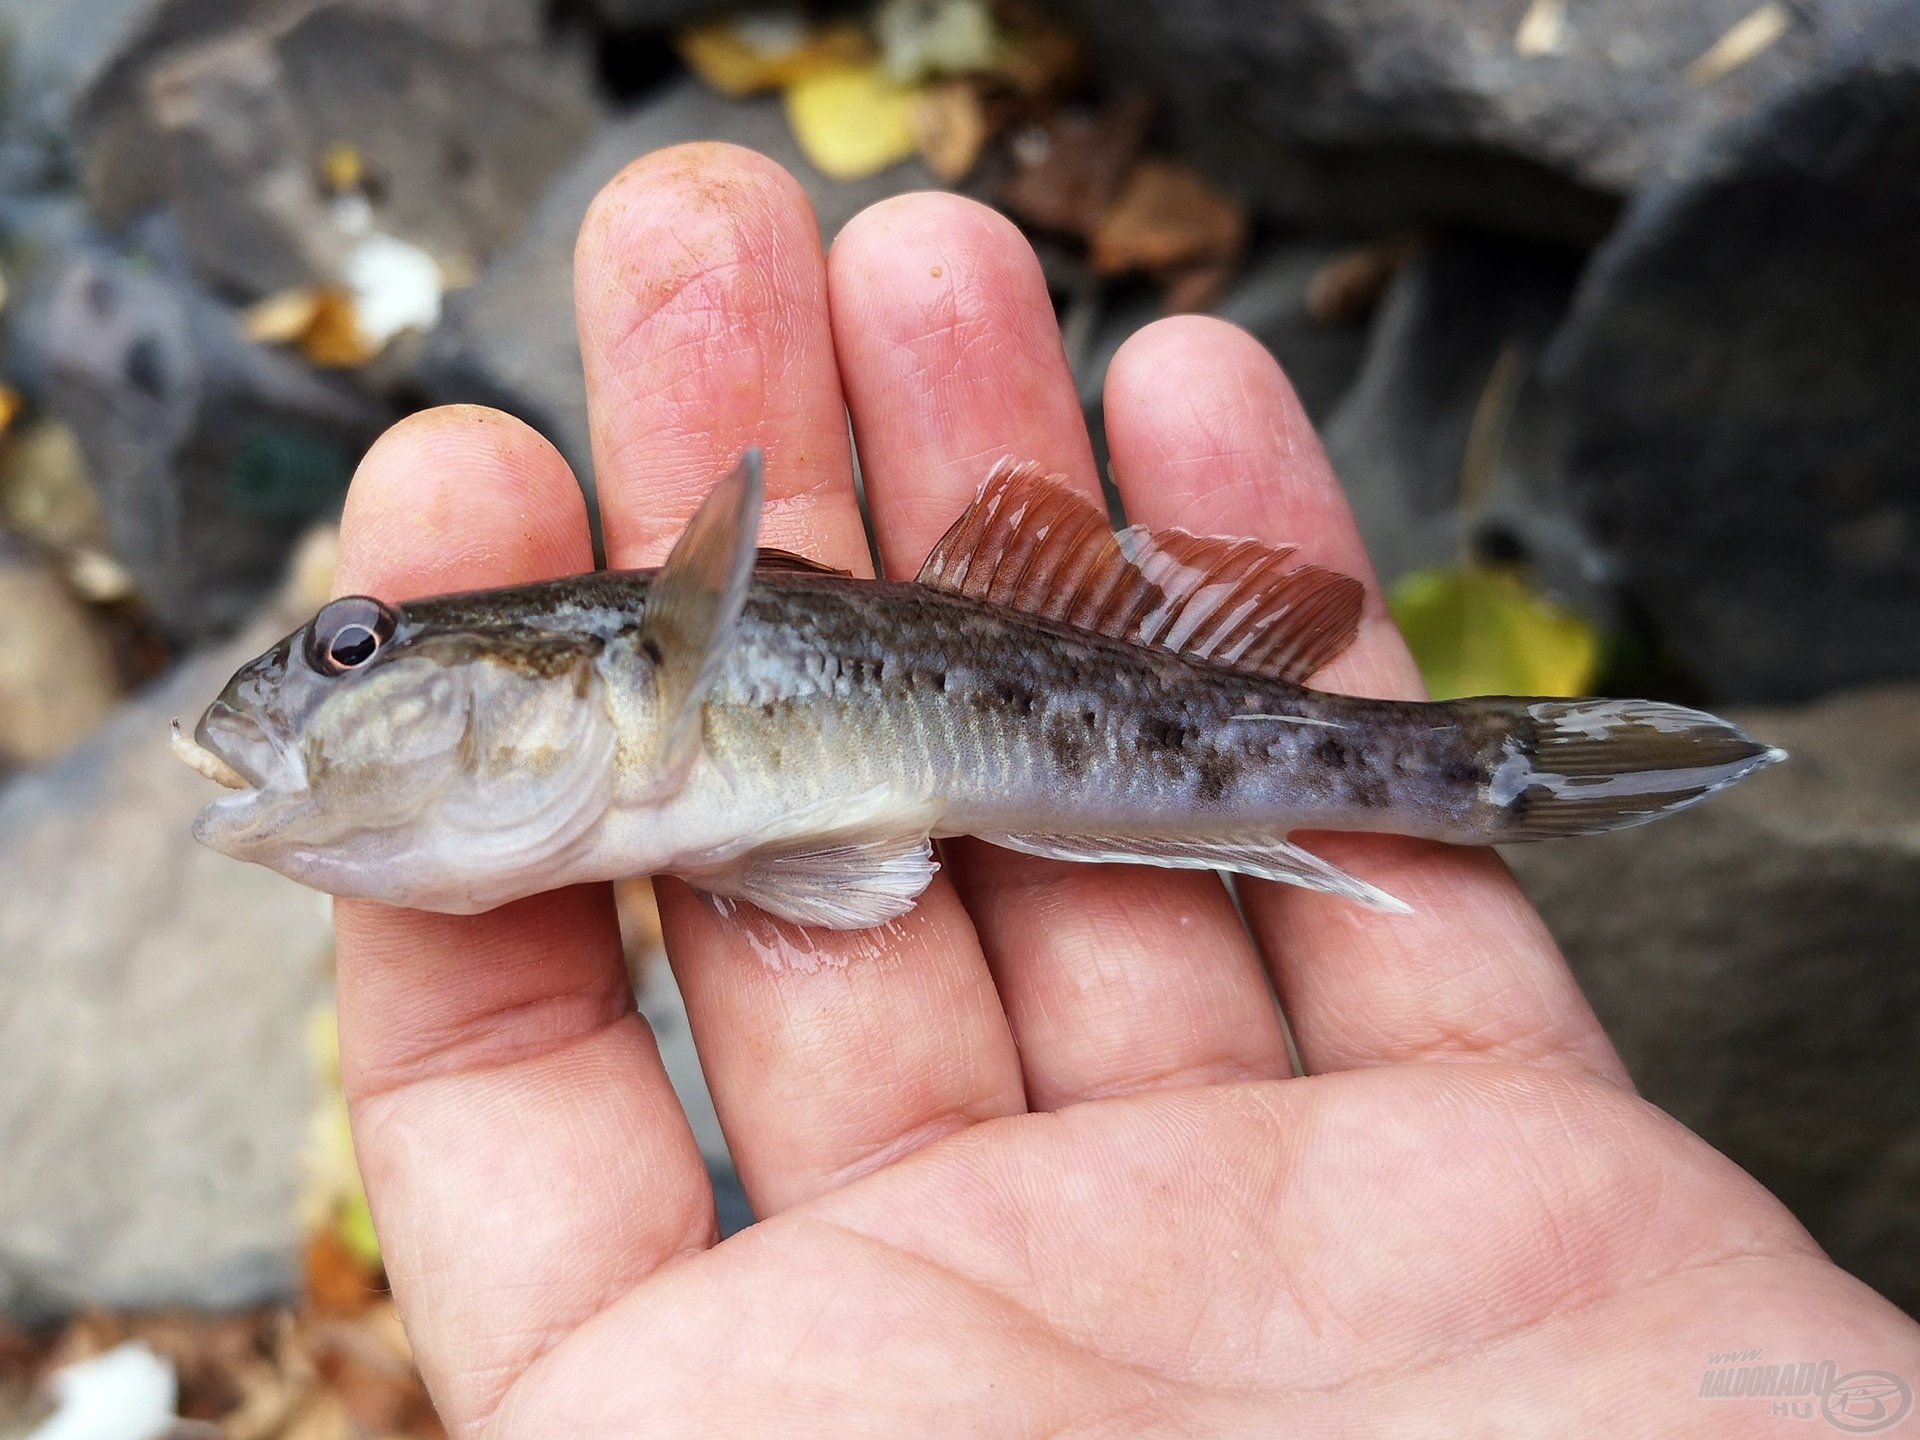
(1031, 542)
(769, 557)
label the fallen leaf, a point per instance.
(951, 127)
(1071, 165)
(747, 55)
(920, 39)
(335, 1279)
(283, 317)
(1167, 216)
(1351, 283)
(1742, 44)
(1196, 289)
(852, 121)
(1485, 630)
(341, 168)
(1040, 61)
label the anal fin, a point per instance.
(843, 886)
(1264, 857)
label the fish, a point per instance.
(784, 735)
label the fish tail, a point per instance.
(1581, 767)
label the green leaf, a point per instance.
(1484, 630)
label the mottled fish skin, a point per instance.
(796, 737)
(1015, 724)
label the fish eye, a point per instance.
(348, 633)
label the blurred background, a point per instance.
(1609, 311)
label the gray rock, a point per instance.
(511, 341)
(1445, 442)
(53, 50)
(1754, 960)
(1739, 370)
(1268, 297)
(220, 112)
(1383, 111)
(658, 14)
(153, 1015)
(210, 454)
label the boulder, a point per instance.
(1738, 374)
(1533, 115)
(153, 1016)
(1270, 296)
(1445, 441)
(1754, 961)
(510, 341)
(657, 15)
(209, 454)
(223, 113)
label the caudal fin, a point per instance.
(1579, 767)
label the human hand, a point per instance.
(1030, 1161)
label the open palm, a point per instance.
(1032, 1161)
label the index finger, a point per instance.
(524, 1154)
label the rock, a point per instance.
(1377, 112)
(210, 455)
(658, 14)
(1753, 959)
(1445, 441)
(54, 49)
(223, 112)
(58, 680)
(153, 1018)
(1268, 296)
(511, 342)
(1739, 371)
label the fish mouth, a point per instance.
(231, 748)
(266, 784)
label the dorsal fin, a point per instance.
(1031, 542)
(769, 557)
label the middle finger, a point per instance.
(703, 321)
(1115, 979)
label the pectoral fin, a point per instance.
(843, 887)
(693, 607)
(1265, 857)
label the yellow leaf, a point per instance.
(747, 55)
(341, 168)
(1481, 630)
(852, 121)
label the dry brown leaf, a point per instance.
(337, 1282)
(1040, 61)
(1351, 283)
(749, 55)
(1167, 217)
(282, 318)
(1072, 165)
(951, 125)
(333, 340)
(1195, 290)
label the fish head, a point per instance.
(381, 755)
